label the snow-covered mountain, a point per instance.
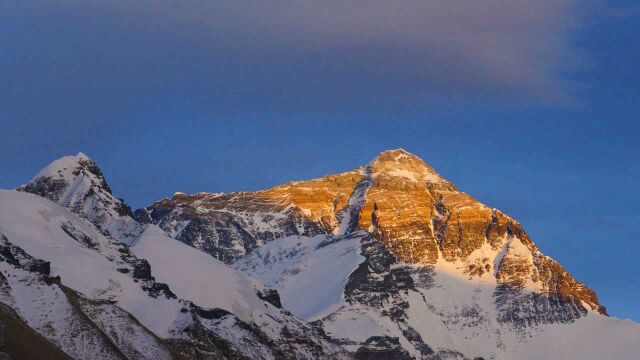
(77, 183)
(393, 261)
(94, 283)
(388, 261)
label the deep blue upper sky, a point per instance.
(530, 108)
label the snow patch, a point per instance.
(291, 265)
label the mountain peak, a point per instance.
(82, 156)
(76, 182)
(399, 163)
(396, 155)
(67, 167)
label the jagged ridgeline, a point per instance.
(388, 261)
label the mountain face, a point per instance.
(418, 216)
(228, 226)
(388, 261)
(425, 270)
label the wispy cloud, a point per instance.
(294, 53)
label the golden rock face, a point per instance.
(399, 206)
(319, 199)
(420, 217)
(228, 226)
(418, 214)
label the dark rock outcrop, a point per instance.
(271, 296)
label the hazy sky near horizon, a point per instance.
(532, 107)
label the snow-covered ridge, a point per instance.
(62, 168)
(77, 183)
(170, 300)
(90, 267)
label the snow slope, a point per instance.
(592, 337)
(194, 275)
(441, 307)
(36, 225)
(291, 265)
(175, 291)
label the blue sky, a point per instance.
(530, 108)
